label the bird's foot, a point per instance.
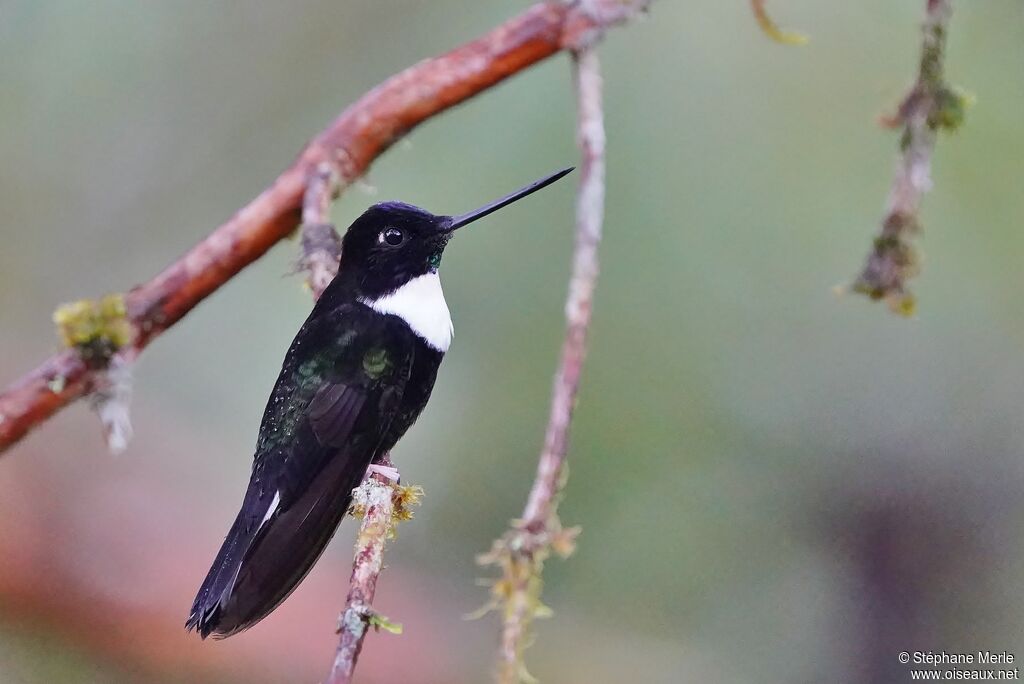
(387, 472)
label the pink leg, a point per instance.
(387, 472)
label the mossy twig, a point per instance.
(381, 504)
(930, 106)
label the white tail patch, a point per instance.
(420, 303)
(272, 508)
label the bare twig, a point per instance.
(521, 552)
(771, 29)
(349, 145)
(930, 105)
(383, 504)
(589, 219)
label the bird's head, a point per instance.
(393, 242)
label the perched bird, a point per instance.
(357, 375)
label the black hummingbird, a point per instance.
(357, 375)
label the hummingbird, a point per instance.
(356, 377)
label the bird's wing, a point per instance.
(339, 389)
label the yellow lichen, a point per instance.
(97, 328)
(903, 304)
(379, 622)
(950, 108)
(404, 498)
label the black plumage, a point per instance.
(353, 381)
(337, 404)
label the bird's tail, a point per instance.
(271, 547)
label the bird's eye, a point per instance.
(392, 236)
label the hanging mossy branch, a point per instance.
(97, 329)
(932, 105)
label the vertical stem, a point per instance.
(578, 305)
(522, 553)
(375, 496)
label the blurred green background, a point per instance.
(774, 484)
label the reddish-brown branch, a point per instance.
(29, 401)
(349, 145)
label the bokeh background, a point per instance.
(775, 484)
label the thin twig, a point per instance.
(930, 105)
(771, 29)
(381, 503)
(524, 548)
(349, 145)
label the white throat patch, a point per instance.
(420, 303)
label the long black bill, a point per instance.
(465, 219)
